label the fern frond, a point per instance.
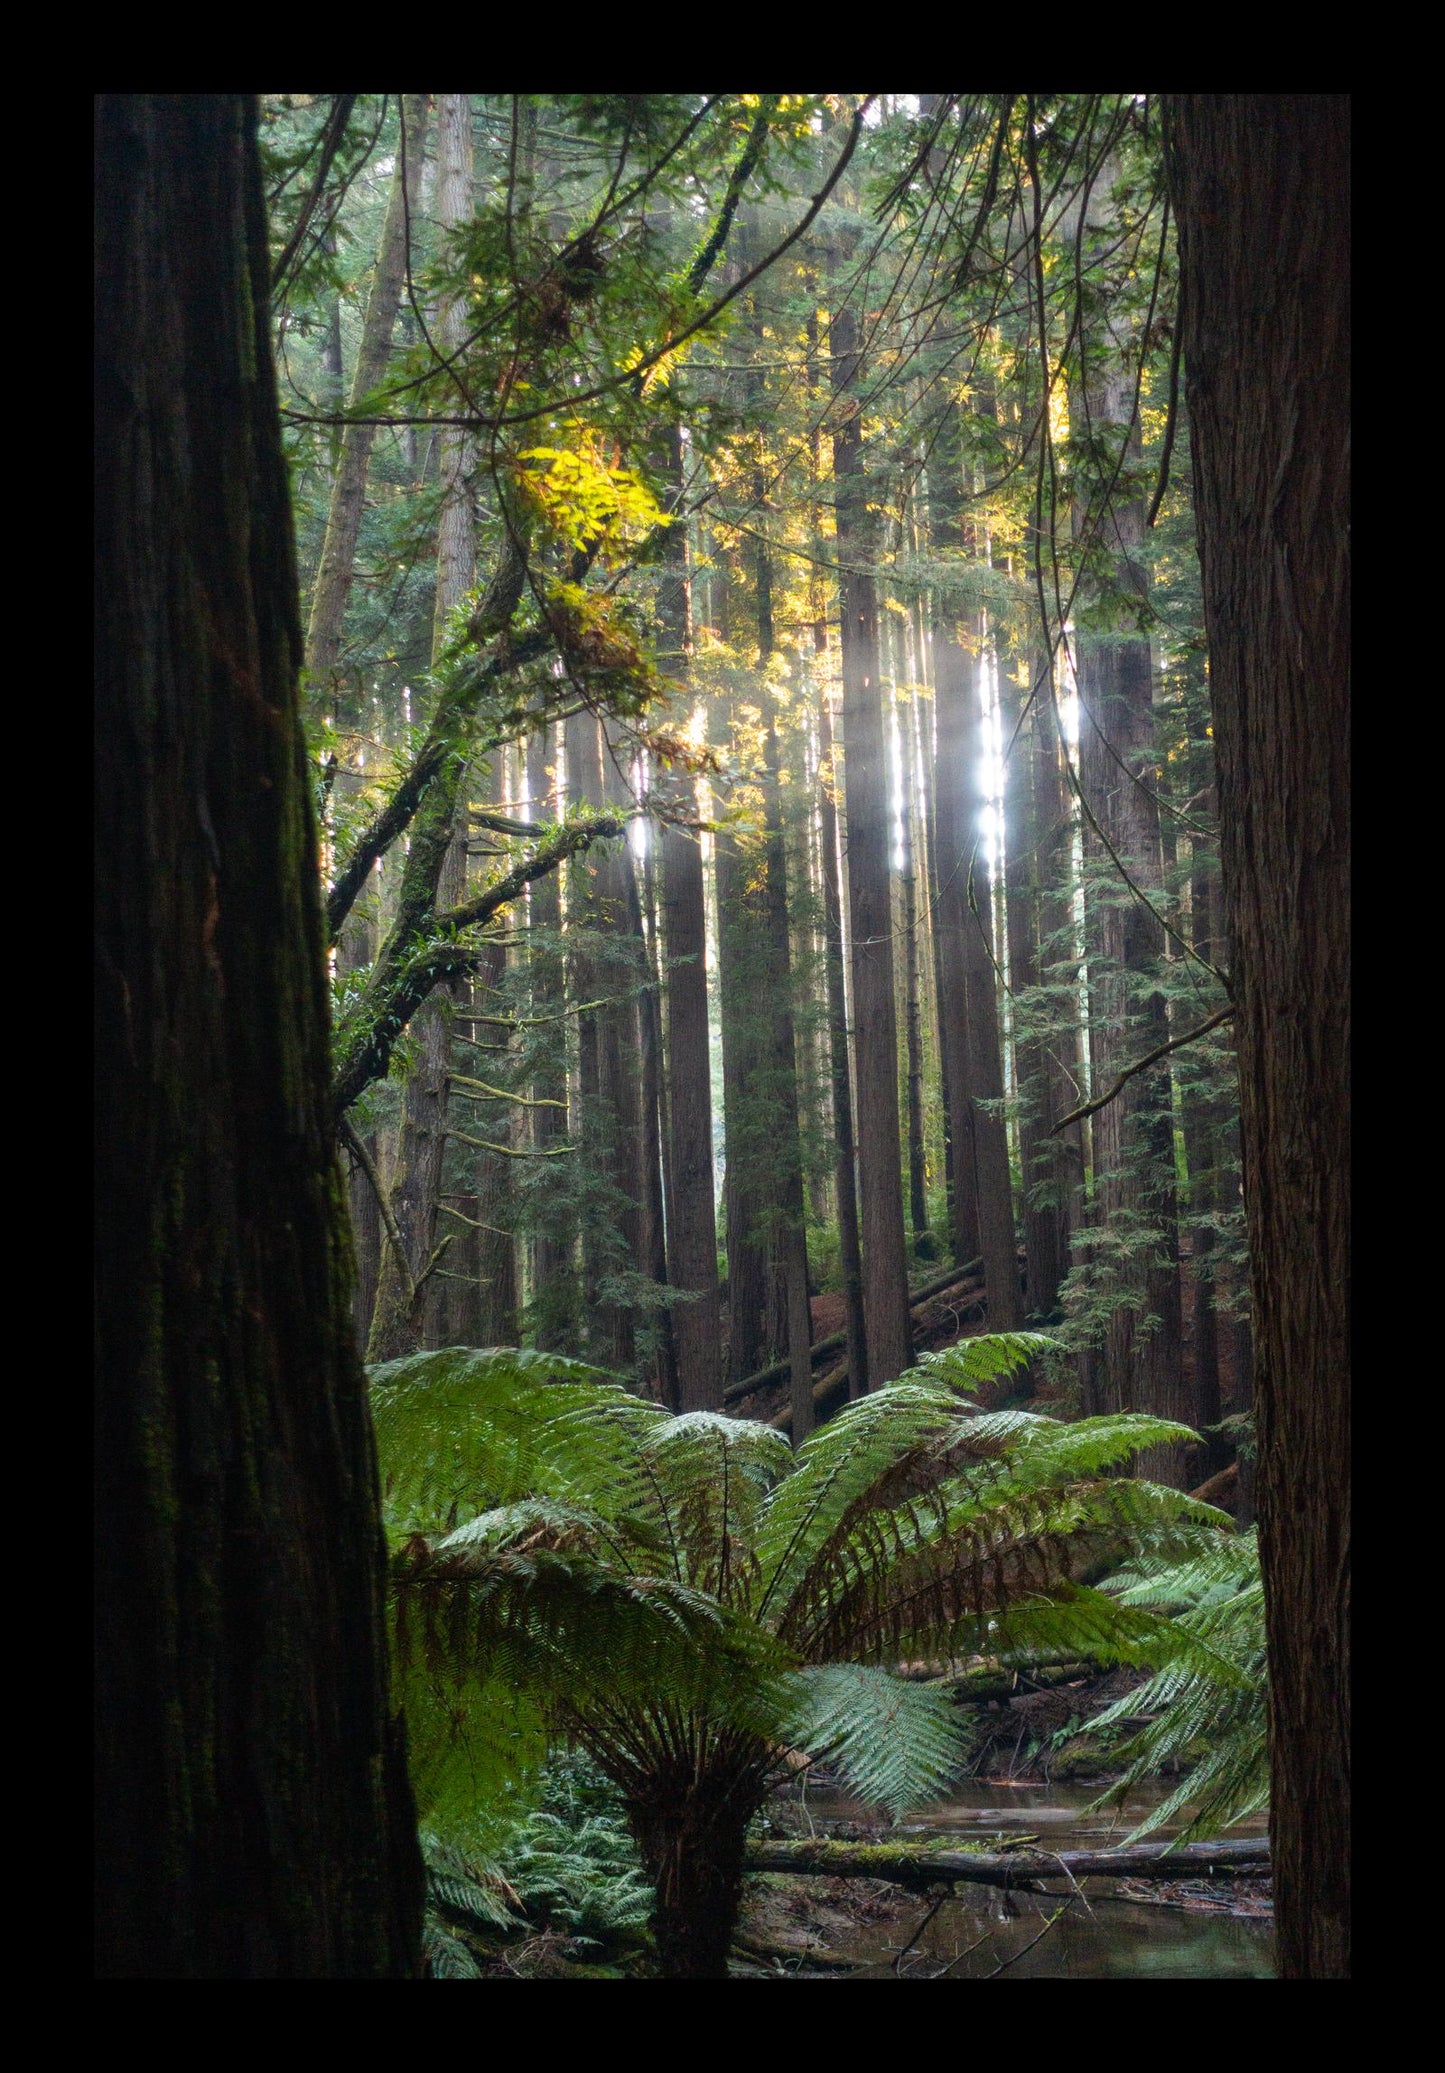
(447, 1957)
(1190, 1700)
(898, 1744)
(461, 1431)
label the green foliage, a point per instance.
(1210, 1697)
(566, 1863)
(573, 1561)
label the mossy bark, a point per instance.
(254, 1814)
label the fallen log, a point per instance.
(904, 1864)
(830, 1387)
(778, 1372)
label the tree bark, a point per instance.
(849, 1249)
(554, 1292)
(923, 1248)
(790, 1226)
(1135, 1195)
(1044, 1214)
(691, 1839)
(865, 778)
(1261, 184)
(348, 487)
(254, 1814)
(402, 1307)
(691, 1210)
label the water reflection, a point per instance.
(986, 1933)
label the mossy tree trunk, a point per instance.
(255, 1819)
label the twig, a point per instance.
(933, 1910)
(1004, 1963)
(967, 1952)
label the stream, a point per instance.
(1159, 1931)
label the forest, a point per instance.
(722, 1036)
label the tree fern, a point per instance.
(690, 1600)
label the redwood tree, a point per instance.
(1261, 183)
(255, 1820)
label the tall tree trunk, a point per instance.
(253, 1810)
(955, 690)
(691, 1202)
(849, 1249)
(742, 977)
(656, 1155)
(692, 1225)
(1262, 189)
(1135, 1195)
(348, 486)
(554, 1294)
(865, 776)
(912, 1016)
(398, 1324)
(620, 1042)
(587, 980)
(1044, 1213)
(1054, 836)
(790, 1224)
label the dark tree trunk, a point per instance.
(609, 1227)
(1262, 189)
(1058, 957)
(254, 1814)
(656, 1157)
(865, 778)
(692, 1225)
(790, 1224)
(620, 1051)
(691, 1839)
(955, 689)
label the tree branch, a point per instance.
(331, 138)
(365, 1161)
(410, 969)
(456, 710)
(566, 841)
(1089, 1108)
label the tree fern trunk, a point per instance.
(691, 1839)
